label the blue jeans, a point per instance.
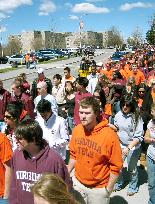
(3, 201)
(1, 125)
(151, 179)
(70, 122)
(132, 160)
(27, 65)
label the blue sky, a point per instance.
(64, 15)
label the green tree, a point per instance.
(14, 46)
(150, 35)
(137, 37)
(114, 37)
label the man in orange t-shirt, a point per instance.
(137, 74)
(67, 76)
(5, 170)
(27, 60)
(95, 154)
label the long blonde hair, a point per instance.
(53, 189)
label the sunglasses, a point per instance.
(8, 116)
(141, 91)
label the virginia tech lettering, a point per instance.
(29, 176)
(87, 147)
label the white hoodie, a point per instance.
(55, 132)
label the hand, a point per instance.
(125, 151)
(109, 191)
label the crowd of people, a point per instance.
(105, 119)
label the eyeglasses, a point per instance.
(141, 91)
(8, 116)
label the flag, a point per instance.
(81, 24)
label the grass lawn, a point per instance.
(9, 69)
(44, 62)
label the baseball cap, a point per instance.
(40, 71)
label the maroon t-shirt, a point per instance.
(27, 170)
(4, 100)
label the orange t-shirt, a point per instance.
(153, 96)
(97, 153)
(123, 73)
(139, 77)
(5, 155)
(27, 58)
(107, 73)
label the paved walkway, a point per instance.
(142, 197)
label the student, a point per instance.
(19, 95)
(32, 158)
(13, 115)
(67, 76)
(41, 77)
(42, 91)
(150, 139)
(70, 103)
(51, 189)
(4, 100)
(81, 85)
(55, 130)
(129, 127)
(95, 154)
(5, 170)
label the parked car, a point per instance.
(65, 51)
(89, 51)
(20, 59)
(59, 53)
(48, 53)
(72, 50)
(40, 57)
(3, 60)
(116, 57)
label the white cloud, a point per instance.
(2, 29)
(129, 6)
(46, 7)
(89, 8)
(7, 6)
(73, 17)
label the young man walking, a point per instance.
(95, 154)
(32, 158)
(55, 130)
